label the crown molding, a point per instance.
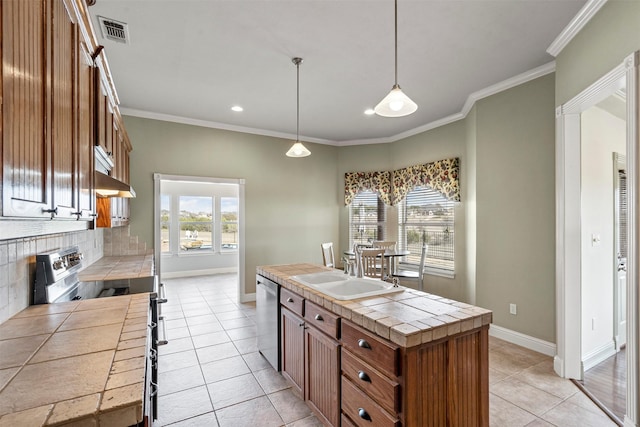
(578, 22)
(509, 83)
(525, 77)
(217, 125)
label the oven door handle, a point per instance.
(162, 298)
(163, 341)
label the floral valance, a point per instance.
(379, 182)
(393, 187)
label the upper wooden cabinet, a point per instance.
(58, 102)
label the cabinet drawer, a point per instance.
(292, 301)
(322, 319)
(346, 422)
(373, 383)
(365, 345)
(362, 410)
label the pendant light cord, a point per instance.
(396, 38)
(298, 101)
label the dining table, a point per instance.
(392, 254)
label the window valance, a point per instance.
(393, 187)
(379, 182)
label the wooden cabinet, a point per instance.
(371, 392)
(311, 354)
(444, 382)
(56, 106)
(47, 164)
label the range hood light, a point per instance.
(108, 186)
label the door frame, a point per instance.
(157, 178)
(567, 362)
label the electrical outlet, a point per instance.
(513, 309)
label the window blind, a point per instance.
(367, 216)
(425, 215)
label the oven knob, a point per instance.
(57, 265)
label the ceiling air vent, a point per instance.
(114, 30)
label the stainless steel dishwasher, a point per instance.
(268, 318)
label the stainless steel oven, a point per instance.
(56, 281)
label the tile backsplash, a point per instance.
(118, 241)
(17, 263)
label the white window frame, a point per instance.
(440, 235)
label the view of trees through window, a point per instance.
(367, 215)
(196, 226)
(229, 223)
(196, 223)
(427, 216)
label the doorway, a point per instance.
(199, 227)
(572, 239)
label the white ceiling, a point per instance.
(194, 59)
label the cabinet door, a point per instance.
(64, 146)
(86, 199)
(292, 336)
(322, 360)
(26, 152)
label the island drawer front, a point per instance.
(292, 301)
(383, 355)
(346, 422)
(377, 386)
(322, 319)
(362, 410)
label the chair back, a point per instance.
(370, 262)
(327, 254)
(384, 245)
(423, 257)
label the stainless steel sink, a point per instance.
(344, 287)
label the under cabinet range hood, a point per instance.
(106, 185)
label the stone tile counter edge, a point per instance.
(115, 396)
(408, 318)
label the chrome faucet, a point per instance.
(358, 262)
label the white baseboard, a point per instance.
(526, 341)
(629, 423)
(248, 297)
(191, 273)
(558, 366)
(598, 355)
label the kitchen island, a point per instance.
(75, 363)
(404, 359)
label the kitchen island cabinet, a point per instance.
(408, 359)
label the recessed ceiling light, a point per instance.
(369, 111)
(237, 108)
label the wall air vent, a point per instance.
(114, 30)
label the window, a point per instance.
(427, 215)
(367, 215)
(196, 223)
(165, 222)
(228, 223)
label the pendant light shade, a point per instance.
(396, 103)
(298, 149)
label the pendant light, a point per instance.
(396, 103)
(297, 149)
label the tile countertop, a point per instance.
(407, 318)
(76, 363)
(118, 267)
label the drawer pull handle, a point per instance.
(364, 344)
(363, 376)
(319, 318)
(364, 414)
(289, 299)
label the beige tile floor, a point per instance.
(211, 373)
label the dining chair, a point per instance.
(370, 263)
(414, 275)
(387, 245)
(327, 254)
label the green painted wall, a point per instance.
(290, 204)
(515, 207)
(611, 35)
